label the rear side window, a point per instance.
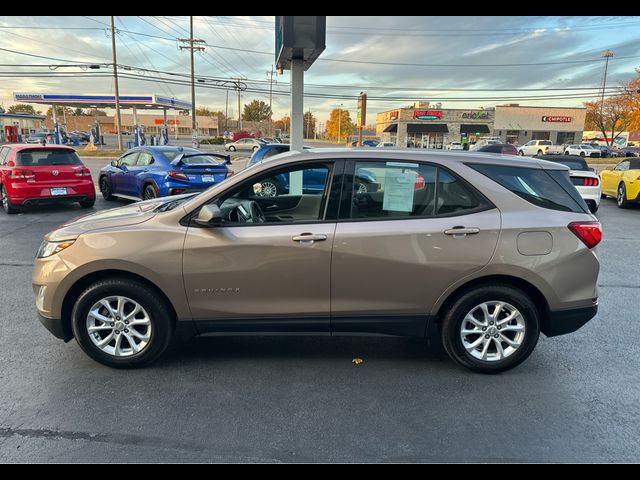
(43, 158)
(550, 189)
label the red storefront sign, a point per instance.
(427, 114)
(160, 121)
(556, 118)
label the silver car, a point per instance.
(483, 251)
(245, 144)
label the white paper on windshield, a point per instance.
(398, 191)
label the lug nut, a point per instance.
(499, 327)
(126, 322)
(113, 324)
(484, 329)
(490, 323)
(496, 336)
(126, 330)
(117, 332)
(487, 336)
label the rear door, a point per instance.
(397, 249)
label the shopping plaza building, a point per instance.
(429, 126)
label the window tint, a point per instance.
(172, 154)
(634, 164)
(201, 160)
(42, 157)
(546, 142)
(545, 188)
(623, 166)
(572, 164)
(4, 153)
(144, 159)
(284, 196)
(452, 195)
(129, 160)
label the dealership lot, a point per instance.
(303, 399)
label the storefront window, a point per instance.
(566, 138)
(540, 135)
(512, 136)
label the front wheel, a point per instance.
(621, 198)
(582, 154)
(232, 148)
(539, 153)
(490, 329)
(122, 323)
(7, 206)
(567, 152)
(521, 153)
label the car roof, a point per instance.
(395, 154)
(37, 146)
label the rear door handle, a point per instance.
(308, 238)
(461, 231)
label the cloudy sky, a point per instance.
(462, 62)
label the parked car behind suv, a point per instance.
(43, 175)
(486, 250)
(503, 148)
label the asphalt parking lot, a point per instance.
(288, 399)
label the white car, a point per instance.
(454, 146)
(583, 178)
(583, 150)
(386, 145)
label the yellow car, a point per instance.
(622, 182)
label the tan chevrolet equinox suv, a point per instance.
(486, 250)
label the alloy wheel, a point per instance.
(492, 331)
(119, 326)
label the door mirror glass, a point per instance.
(114, 163)
(209, 215)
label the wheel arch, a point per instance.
(536, 296)
(82, 283)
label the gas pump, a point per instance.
(164, 133)
(11, 133)
(57, 135)
(139, 139)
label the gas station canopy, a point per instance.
(143, 101)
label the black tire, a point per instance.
(162, 323)
(255, 149)
(149, 192)
(621, 198)
(232, 148)
(521, 153)
(582, 154)
(593, 208)
(539, 153)
(105, 189)
(456, 311)
(7, 206)
(88, 202)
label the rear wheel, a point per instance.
(567, 152)
(105, 189)
(7, 206)
(149, 192)
(621, 198)
(122, 323)
(87, 202)
(521, 153)
(490, 329)
(232, 148)
(582, 154)
(539, 152)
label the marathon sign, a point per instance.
(25, 97)
(427, 114)
(556, 118)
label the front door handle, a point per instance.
(308, 238)
(461, 231)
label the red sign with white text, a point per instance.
(555, 118)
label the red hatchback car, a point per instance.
(38, 175)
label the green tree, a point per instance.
(339, 123)
(256, 111)
(60, 111)
(78, 112)
(206, 112)
(309, 124)
(22, 108)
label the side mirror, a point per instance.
(114, 163)
(209, 215)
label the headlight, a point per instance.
(51, 248)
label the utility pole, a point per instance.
(270, 73)
(606, 55)
(226, 112)
(192, 47)
(115, 84)
(238, 87)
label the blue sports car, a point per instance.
(313, 181)
(150, 172)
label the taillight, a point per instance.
(82, 172)
(591, 182)
(21, 174)
(589, 232)
(178, 175)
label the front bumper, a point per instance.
(57, 327)
(561, 322)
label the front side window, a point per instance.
(129, 160)
(623, 166)
(285, 195)
(404, 190)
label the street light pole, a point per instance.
(607, 54)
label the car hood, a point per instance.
(133, 214)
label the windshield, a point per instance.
(45, 157)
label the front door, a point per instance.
(121, 177)
(611, 178)
(396, 250)
(269, 260)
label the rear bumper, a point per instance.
(37, 193)
(561, 322)
(55, 200)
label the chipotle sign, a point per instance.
(556, 118)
